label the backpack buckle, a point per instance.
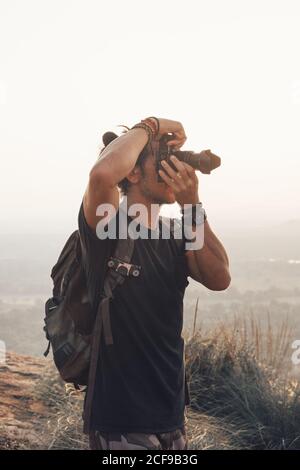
(123, 268)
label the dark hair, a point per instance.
(107, 138)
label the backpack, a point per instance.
(71, 328)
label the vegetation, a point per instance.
(240, 384)
(242, 394)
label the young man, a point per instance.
(140, 390)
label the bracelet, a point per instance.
(157, 122)
(153, 124)
(147, 128)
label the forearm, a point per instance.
(120, 157)
(212, 261)
(214, 245)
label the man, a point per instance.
(140, 391)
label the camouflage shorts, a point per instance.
(173, 440)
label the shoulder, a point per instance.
(91, 242)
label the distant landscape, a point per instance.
(265, 268)
(238, 348)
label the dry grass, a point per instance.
(239, 375)
(242, 396)
(64, 427)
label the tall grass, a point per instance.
(242, 395)
(63, 429)
(239, 376)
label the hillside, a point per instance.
(38, 412)
(23, 415)
(242, 395)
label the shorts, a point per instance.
(172, 440)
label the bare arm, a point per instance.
(116, 162)
(209, 265)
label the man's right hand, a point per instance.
(167, 126)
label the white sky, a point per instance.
(70, 70)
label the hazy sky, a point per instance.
(71, 70)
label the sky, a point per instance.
(71, 70)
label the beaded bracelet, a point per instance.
(147, 128)
(157, 122)
(152, 124)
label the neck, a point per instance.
(149, 216)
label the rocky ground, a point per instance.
(37, 411)
(24, 414)
(242, 396)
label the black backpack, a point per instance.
(70, 324)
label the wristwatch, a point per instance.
(193, 214)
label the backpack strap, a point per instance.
(123, 251)
(115, 277)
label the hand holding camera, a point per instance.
(166, 137)
(169, 136)
(175, 128)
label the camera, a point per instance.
(205, 161)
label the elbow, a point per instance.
(224, 284)
(221, 281)
(100, 174)
(224, 281)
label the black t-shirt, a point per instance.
(140, 382)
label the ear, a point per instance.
(135, 175)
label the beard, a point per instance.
(157, 193)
